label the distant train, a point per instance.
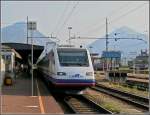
(67, 67)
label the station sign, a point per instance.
(31, 25)
(111, 54)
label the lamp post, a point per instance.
(69, 28)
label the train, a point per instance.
(67, 67)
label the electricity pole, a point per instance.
(32, 60)
(107, 38)
(32, 27)
(27, 29)
(106, 43)
(106, 35)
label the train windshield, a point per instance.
(73, 58)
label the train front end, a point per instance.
(74, 68)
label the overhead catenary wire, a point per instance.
(111, 22)
(108, 15)
(118, 18)
(132, 45)
(127, 13)
(61, 17)
(68, 17)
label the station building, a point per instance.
(8, 57)
(140, 62)
(96, 61)
(113, 60)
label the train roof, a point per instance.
(70, 47)
(60, 47)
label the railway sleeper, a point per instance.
(85, 106)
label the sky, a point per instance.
(87, 18)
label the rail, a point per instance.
(133, 99)
(82, 105)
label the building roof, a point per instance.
(24, 50)
(8, 49)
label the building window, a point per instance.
(8, 57)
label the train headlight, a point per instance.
(89, 73)
(61, 73)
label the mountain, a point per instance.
(124, 45)
(17, 33)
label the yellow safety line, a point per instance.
(40, 99)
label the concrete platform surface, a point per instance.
(18, 98)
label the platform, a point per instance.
(17, 98)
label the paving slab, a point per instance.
(18, 98)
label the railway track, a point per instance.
(136, 77)
(77, 103)
(135, 100)
(82, 105)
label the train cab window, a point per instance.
(73, 58)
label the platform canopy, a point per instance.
(25, 50)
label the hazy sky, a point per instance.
(87, 18)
